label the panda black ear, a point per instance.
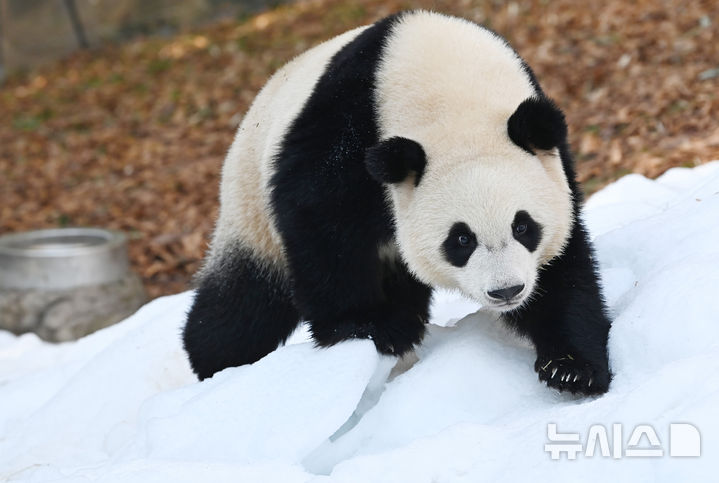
(392, 160)
(537, 124)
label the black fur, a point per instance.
(455, 252)
(392, 160)
(242, 311)
(332, 213)
(533, 234)
(537, 124)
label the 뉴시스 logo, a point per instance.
(684, 441)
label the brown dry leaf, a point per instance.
(615, 152)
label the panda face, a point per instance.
(500, 276)
(484, 227)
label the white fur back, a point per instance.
(244, 195)
(449, 85)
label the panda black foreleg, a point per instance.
(403, 289)
(366, 301)
(567, 321)
(408, 297)
(341, 286)
(242, 311)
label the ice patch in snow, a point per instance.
(123, 405)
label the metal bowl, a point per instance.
(62, 258)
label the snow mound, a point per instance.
(123, 405)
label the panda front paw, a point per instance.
(568, 372)
(399, 334)
(394, 332)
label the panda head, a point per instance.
(483, 222)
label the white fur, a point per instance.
(452, 86)
(245, 214)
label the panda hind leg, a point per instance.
(241, 312)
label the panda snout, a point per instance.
(505, 294)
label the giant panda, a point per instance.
(414, 153)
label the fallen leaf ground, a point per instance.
(132, 137)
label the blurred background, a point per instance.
(118, 113)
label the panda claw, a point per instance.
(570, 373)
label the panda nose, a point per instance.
(505, 293)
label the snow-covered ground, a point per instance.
(123, 405)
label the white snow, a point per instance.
(122, 404)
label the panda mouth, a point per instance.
(507, 305)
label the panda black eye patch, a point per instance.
(526, 231)
(459, 244)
